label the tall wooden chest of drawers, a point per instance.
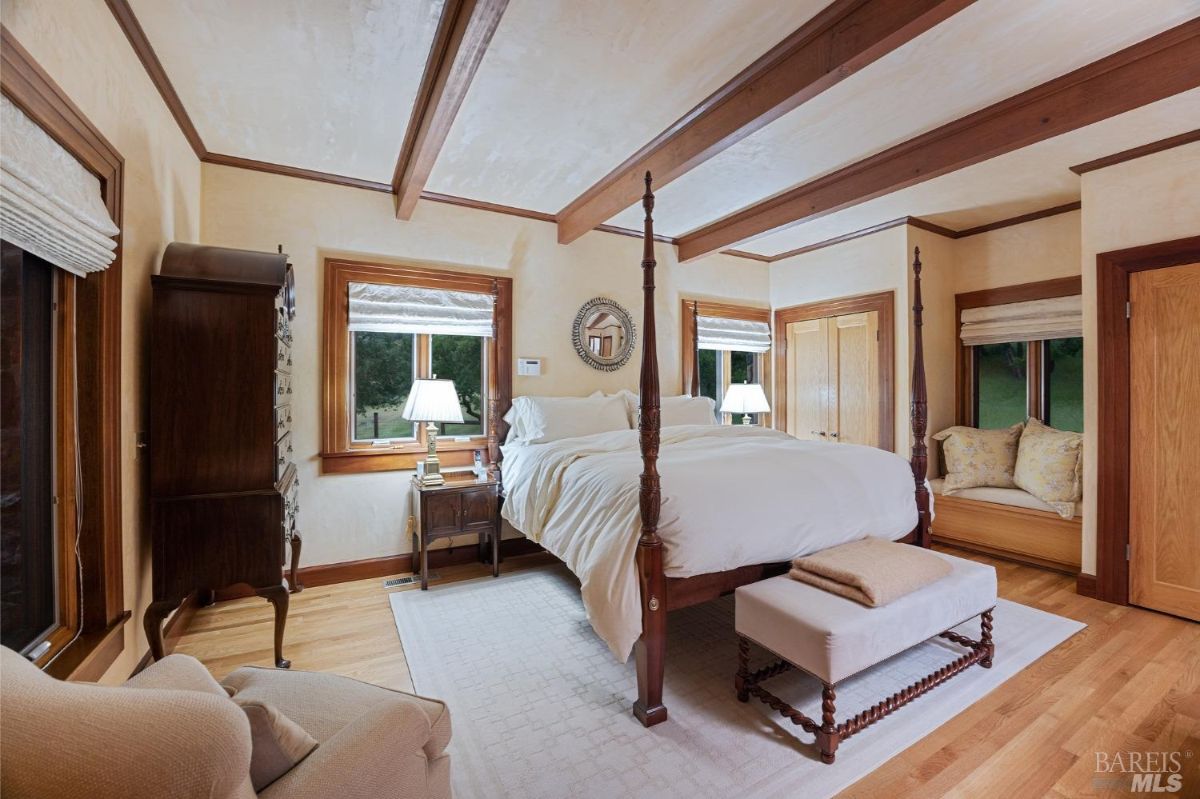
(223, 487)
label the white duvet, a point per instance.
(731, 496)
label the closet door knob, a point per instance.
(834, 435)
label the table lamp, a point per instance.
(745, 398)
(432, 401)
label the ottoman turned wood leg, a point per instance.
(827, 736)
(743, 672)
(985, 622)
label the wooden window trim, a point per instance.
(689, 310)
(97, 318)
(965, 373)
(339, 454)
(884, 304)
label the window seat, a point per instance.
(1008, 523)
(1003, 496)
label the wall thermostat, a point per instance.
(529, 367)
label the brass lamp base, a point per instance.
(432, 475)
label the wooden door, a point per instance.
(854, 378)
(1164, 489)
(808, 379)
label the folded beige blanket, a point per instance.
(871, 571)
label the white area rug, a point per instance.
(541, 710)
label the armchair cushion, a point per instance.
(278, 742)
(116, 742)
(325, 703)
(372, 739)
(178, 673)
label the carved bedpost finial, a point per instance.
(920, 408)
(493, 390)
(650, 650)
(649, 425)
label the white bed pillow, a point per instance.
(687, 410)
(537, 420)
(684, 409)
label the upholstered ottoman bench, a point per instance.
(832, 638)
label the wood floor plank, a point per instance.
(1130, 680)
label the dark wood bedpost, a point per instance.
(694, 389)
(920, 410)
(493, 388)
(651, 649)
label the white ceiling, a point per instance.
(567, 90)
(320, 84)
(989, 51)
(1031, 179)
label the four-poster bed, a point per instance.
(595, 500)
(661, 594)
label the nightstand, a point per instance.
(459, 507)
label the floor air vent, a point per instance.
(396, 582)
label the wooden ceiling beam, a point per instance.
(461, 39)
(840, 40)
(1151, 70)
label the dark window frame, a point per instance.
(97, 344)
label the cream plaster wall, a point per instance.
(79, 44)
(350, 517)
(1043, 249)
(1151, 199)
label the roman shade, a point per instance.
(384, 308)
(1035, 320)
(719, 333)
(50, 205)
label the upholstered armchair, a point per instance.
(174, 731)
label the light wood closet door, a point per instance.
(854, 364)
(833, 379)
(1164, 508)
(808, 379)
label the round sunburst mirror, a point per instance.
(604, 334)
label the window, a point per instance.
(388, 325)
(734, 345)
(1022, 354)
(1001, 384)
(28, 596)
(385, 365)
(719, 368)
(1062, 383)
(87, 634)
(462, 359)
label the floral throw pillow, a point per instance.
(1050, 465)
(976, 458)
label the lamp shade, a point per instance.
(433, 401)
(745, 398)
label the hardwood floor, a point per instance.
(1130, 682)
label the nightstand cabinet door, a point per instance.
(478, 509)
(442, 513)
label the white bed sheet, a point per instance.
(731, 496)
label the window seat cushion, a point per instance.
(1002, 496)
